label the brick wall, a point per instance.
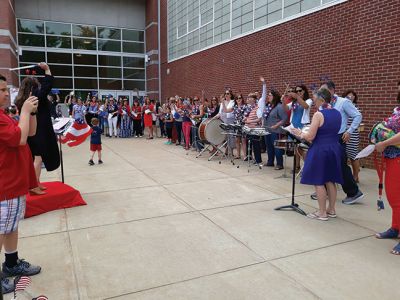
(356, 44)
(152, 45)
(8, 49)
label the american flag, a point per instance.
(21, 283)
(41, 297)
(76, 134)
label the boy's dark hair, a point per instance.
(3, 78)
(331, 85)
(95, 122)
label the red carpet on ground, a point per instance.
(58, 195)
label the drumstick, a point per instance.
(22, 68)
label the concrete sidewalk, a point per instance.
(161, 224)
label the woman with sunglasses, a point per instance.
(226, 115)
(300, 108)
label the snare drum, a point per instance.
(210, 131)
(284, 145)
(258, 131)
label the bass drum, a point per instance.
(210, 131)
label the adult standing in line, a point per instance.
(43, 145)
(300, 108)
(274, 117)
(148, 109)
(322, 167)
(352, 147)
(112, 109)
(137, 118)
(391, 153)
(347, 110)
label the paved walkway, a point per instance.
(160, 224)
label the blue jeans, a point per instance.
(272, 152)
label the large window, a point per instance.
(85, 57)
(194, 25)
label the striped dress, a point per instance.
(352, 147)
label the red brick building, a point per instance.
(192, 45)
(355, 43)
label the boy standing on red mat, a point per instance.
(15, 162)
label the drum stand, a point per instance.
(284, 175)
(249, 157)
(229, 135)
(205, 148)
(293, 205)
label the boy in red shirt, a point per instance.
(15, 163)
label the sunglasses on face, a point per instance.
(299, 91)
(227, 93)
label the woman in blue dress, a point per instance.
(322, 167)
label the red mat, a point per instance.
(58, 195)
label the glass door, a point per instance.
(104, 94)
(121, 95)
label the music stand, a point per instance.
(293, 205)
(59, 132)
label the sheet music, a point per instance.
(366, 151)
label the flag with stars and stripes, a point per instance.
(76, 134)
(21, 283)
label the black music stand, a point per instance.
(293, 205)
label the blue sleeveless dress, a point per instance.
(324, 158)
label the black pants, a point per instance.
(256, 146)
(162, 128)
(169, 132)
(349, 185)
(178, 126)
(137, 127)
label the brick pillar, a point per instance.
(152, 49)
(8, 41)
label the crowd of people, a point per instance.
(27, 140)
(117, 118)
(333, 132)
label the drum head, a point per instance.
(213, 132)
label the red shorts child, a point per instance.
(95, 147)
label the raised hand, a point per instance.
(30, 105)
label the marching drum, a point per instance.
(210, 131)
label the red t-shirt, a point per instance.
(15, 160)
